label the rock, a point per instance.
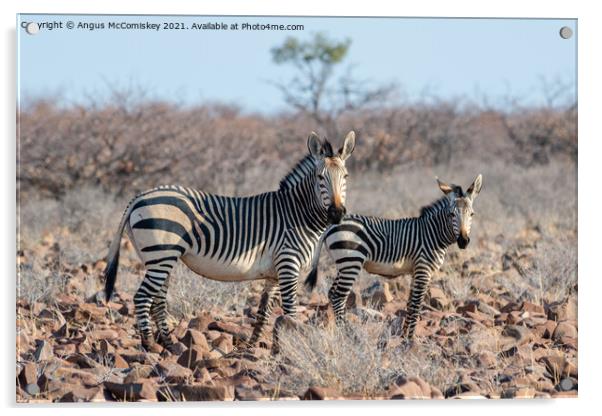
(564, 329)
(103, 334)
(377, 295)
(28, 374)
(189, 357)
(525, 393)
(567, 384)
(556, 365)
(81, 394)
(564, 394)
(90, 311)
(487, 359)
(43, 351)
(520, 333)
(438, 299)
(249, 394)
(532, 308)
(196, 338)
(321, 393)
(224, 343)
(193, 392)
(562, 311)
(201, 322)
(144, 390)
(174, 373)
(487, 309)
(138, 372)
(201, 375)
(119, 362)
(410, 388)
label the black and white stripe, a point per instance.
(392, 248)
(269, 236)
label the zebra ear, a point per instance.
(348, 146)
(315, 146)
(475, 188)
(445, 188)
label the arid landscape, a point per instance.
(500, 319)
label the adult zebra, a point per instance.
(268, 236)
(391, 248)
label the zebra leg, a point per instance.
(268, 298)
(420, 284)
(158, 312)
(149, 291)
(287, 267)
(347, 274)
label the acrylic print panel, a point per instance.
(184, 235)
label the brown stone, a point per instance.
(189, 357)
(144, 390)
(564, 329)
(28, 378)
(43, 351)
(532, 308)
(194, 392)
(201, 322)
(408, 390)
(138, 372)
(119, 362)
(224, 343)
(438, 299)
(196, 338)
(201, 375)
(174, 373)
(82, 394)
(525, 393)
(556, 365)
(520, 333)
(487, 359)
(321, 393)
(104, 334)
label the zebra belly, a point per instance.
(398, 268)
(237, 270)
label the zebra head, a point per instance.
(460, 211)
(331, 174)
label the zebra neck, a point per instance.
(436, 225)
(301, 207)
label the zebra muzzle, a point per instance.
(463, 241)
(336, 214)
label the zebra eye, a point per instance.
(321, 177)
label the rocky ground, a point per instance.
(479, 337)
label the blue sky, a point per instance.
(447, 57)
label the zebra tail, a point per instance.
(110, 272)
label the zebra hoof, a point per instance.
(152, 346)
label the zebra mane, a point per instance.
(441, 203)
(296, 174)
(434, 207)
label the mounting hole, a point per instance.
(566, 32)
(32, 28)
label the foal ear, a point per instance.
(475, 188)
(445, 188)
(315, 145)
(348, 146)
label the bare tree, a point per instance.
(315, 91)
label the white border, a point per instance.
(589, 154)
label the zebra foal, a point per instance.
(270, 236)
(391, 248)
